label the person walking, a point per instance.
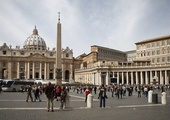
(87, 91)
(37, 94)
(146, 91)
(29, 93)
(118, 92)
(121, 91)
(95, 89)
(58, 93)
(50, 92)
(102, 96)
(63, 97)
(139, 90)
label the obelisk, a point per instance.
(58, 53)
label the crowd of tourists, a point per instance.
(52, 92)
(59, 93)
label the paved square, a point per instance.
(14, 106)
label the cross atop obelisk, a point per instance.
(58, 53)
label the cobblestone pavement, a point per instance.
(14, 106)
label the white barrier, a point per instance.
(164, 98)
(150, 96)
(90, 101)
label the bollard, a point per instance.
(67, 103)
(150, 96)
(164, 98)
(90, 101)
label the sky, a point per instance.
(115, 24)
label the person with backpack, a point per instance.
(50, 93)
(102, 96)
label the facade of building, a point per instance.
(157, 50)
(35, 61)
(151, 65)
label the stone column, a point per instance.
(132, 78)
(141, 77)
(113, 74)
(156, 75)
(28, 74)
(9, 70)
(33, 70)
(107, 78)
(94, 79)
(45, 71)
(161, 78)
(40, 71)
(122, 78)
(97, 78)
(47, 74)
(118, 82)
(137, 81)
(71, 73)
(18, 71)
(151, 77)
(166, 79)
(127, 78)
(146, 77)
(25, 74)
(54, 72)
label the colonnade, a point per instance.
(38, 70)
(99, 77)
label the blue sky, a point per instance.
(116, 24)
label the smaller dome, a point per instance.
(35, 41)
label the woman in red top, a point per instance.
(58, 93)
(87, 91)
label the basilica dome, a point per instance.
(35, 42)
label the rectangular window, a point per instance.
(168, 42)
(158, 52)
(153, 44)
(163, 43)
(148, 54)
(153, 60)
(153, 52)
(37, 65)
(148, 45)
(168, 59)
(4, 52)
(163, 59)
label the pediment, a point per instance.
(36, 56)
